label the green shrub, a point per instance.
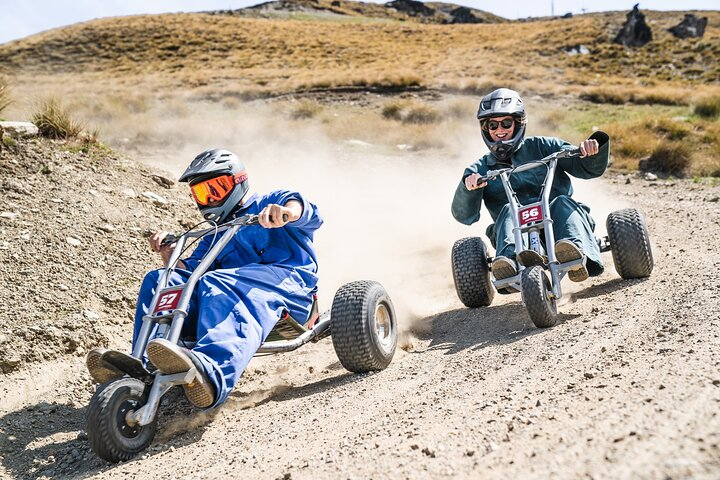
(4, 96)
(54, 121)
(708, 107)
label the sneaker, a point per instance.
(530, 258)
(100, 371)
(567, 251)
(503, 267)
(170, 358)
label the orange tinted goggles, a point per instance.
(217, 188)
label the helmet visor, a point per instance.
(216, 189)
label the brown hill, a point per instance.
(228, 55)
(401, 10)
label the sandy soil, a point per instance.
(627, 385)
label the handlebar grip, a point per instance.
(169, 239)
(253, 219)
(285, 217)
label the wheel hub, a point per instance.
(127, 428)
(383, 326)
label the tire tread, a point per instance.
(471, 273)
(350, 326)
(630, 243)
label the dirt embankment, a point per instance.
(71, 225)
(625, 386)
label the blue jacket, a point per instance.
(289, 248)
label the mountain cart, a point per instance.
(122, 415)
(539, 271)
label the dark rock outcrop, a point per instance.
(464, 15)
(412, 8)
(635, 32)
(690, 27)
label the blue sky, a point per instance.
(20, 18)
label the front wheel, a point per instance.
(363, 326)
(472, 273)
(536, 294)
(111, 436)
(630, 243)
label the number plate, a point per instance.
(168, 300)
(530, 214)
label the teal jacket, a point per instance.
(466, 204)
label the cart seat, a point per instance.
(287, 328)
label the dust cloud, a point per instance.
(386, 210)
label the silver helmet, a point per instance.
(231, 180)
(499, 103)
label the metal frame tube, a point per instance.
(290, 345)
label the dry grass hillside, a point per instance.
(228, 55)
(379, 75)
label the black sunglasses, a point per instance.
(494, 124)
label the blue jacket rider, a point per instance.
(264, 270)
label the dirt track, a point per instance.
(627, 385)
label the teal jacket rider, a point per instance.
(571, 219)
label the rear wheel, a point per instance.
(363, 326)
(111, 436)
(630, 243)
(472, 273)
(536, 294)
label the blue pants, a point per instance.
(571, 221)
(231, 312)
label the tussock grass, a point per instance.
(4, 95)
(669, 158)
(409, 111)
(619, 95)
(708, 107)
(669, 128)
(393, 110)
(422, 113)
(611, 95)
(305, 109)
(55, 121)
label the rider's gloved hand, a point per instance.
(589, 148)
(471, 182)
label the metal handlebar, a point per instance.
(491, 174)
(245, 220)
